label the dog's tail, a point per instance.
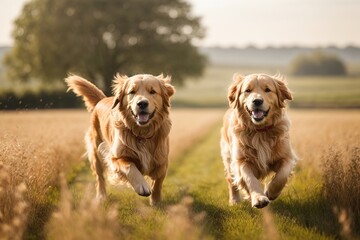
(90, 94)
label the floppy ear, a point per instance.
(167, 90)
(118, 88)
(282, 90)
(234, 90)
(165, 81)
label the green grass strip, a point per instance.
(299, 213)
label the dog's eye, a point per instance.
(131, 92)
(267, 89)
(248, 90)
(152, 91)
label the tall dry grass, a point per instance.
(13, 208)
(88, 219)
(341, 186)
(328, 143)
(35, 147)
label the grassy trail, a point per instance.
(299, 213)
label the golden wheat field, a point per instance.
(315, 131)
(37, 146)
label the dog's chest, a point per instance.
(263, 142)
(258, 149)
(146, 151)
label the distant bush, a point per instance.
(317, 63)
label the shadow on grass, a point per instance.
(215, 217)
(229, 222)
(314, 213)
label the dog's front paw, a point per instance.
(137, 181)
(142, 188)
(259, 201)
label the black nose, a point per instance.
(143, 104)
(258, 102)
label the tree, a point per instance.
(98, 38)
(317, 63)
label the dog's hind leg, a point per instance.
(97, 168)
(157, 187)
(234, 196)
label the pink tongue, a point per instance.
(258, 113)
(143, 117)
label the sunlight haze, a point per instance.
(255, 22)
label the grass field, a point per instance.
(37, 201)
(331, 92)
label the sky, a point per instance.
(239, 23)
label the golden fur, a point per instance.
(128, 133)
(255, 138)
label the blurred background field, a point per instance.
(309, 91)
(210, 89)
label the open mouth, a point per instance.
(258, 114)
(143, 117)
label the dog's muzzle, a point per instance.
(256, 111)
(141, 114)
(258, 115)
(143, 117)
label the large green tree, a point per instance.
(98, 38)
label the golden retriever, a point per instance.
(255, 138)
(128, 136)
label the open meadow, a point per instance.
(47, 191)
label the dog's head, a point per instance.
(260, 96)
(142, 97)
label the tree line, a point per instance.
(98, 38)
